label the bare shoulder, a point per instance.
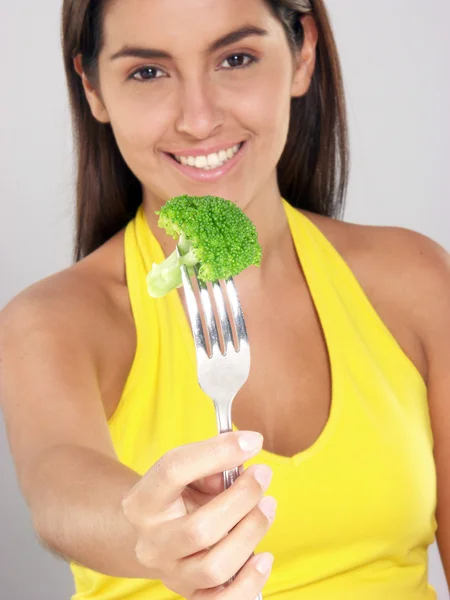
(398, 267)
(86, 302)
(403, 247)
(82, 294)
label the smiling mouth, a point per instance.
(210, 162)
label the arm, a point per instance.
(57, 430)
(431, 280)
(437, 344)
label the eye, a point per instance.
(145, 74)
(238, 61)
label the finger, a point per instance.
(248, 584)
(179, 467)
(228, 556)
(212, 522)
(213, 484)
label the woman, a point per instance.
(114, 444)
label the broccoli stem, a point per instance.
(166, 276)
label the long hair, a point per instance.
(312, 171)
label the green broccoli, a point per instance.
(214, 234)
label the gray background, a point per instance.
(395, 57)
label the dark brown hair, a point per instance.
(312, 171)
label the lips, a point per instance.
(219, 157)
(200, 175)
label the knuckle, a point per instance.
(169, 468)
(129, 507)
(212, 572)
(149, 557)
(219, 450)
(134, 514)
(144, 555)
(197, 534)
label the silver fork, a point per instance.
(220, 376)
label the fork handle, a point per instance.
(224, 425)
(229, 477)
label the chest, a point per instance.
(287, 396)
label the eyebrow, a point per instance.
(226, 40)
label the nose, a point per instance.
(199, 114)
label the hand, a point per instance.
(191, 533)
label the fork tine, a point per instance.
(236, 309)
(209, 315)
(223, 316)
(194, 313)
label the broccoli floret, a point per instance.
(214, 234)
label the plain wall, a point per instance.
(395, 58)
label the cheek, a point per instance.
(267, 112)
(138, 123)
(135, 130)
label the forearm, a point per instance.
(75, 497)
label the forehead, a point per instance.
(176, 23)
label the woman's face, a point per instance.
(197, 79)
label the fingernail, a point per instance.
(264, 563)
(250, 441)
(263, 475)
(268, 506)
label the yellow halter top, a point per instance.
(356, 510)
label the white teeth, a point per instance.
(201, 162)
(212, 161)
